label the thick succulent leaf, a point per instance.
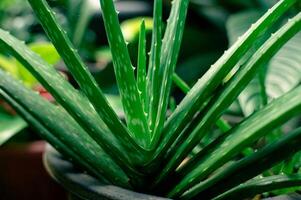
(276, 82)
(46, 51)
(141, 68)
(234, 87)
(63, 127)
(265, 120)
(124, 71)
(262, 185)
(10, 126)
(44, 133)
(78, 69)
(205, 87)
(179, 82)
(153, 83)
(77, 105)
(243, 170)
(169, 54)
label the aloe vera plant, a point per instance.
(151, 151)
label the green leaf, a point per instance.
(180, 83)
(80, 72)
(44, 50)
(234, 87)
(124, 72)
(74, 103)
(276, 82)
(8, 65)
(243, 170)
(221, 124)
(201, 92)
(275, 113)
(131, 28)
(10, 126)
(154, 64)
(60, 125)
(115, 102)
(169, 54)
(261, 185)
(141, 72)
(86, 11)
(237, 24)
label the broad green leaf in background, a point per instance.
(10, 126)
(261, 185)
(8, 64)
(46, 51)
(282, 73)
(130, 28)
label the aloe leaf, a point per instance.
(202, 90)
(270, 117)
(75, 104)
(53, 140)
(10, 126)
(169, 54)
(238, 82)
(276, 83)
(141, 72)
(47, 52)
(63, 127)
(44, 133)
(77, 68)
(124, 71)
(154, 64)
(223, 125)
(244, 169)
(261, 185)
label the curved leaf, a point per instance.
(74, 103)
(282, 73)
(10, 126)
(261, 185)
(84, 78)
(227, 96)
(200, 93)
(60, 125)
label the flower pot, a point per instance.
(83, 186)
(22, 175)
